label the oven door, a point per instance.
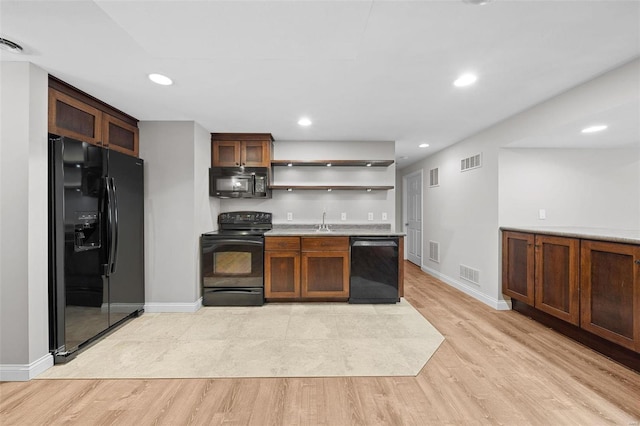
(232, 262)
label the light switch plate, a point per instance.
(343, 216)
(369, 216)
(542, 214)
(289, 216)
(384, 216)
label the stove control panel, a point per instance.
(245, 217)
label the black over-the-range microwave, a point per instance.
(239, 182)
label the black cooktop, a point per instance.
(241, 223)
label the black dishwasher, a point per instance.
(374, 270)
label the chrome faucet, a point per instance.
(324, 226)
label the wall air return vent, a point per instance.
(433, 177)
(472, 162)
(470, 274)
(434, 251)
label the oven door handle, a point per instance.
(219, 242)
(234, 291)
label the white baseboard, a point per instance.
(25, 372)
(152, 307)
(500, 305)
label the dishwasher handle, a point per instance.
(374, 243)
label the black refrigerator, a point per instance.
(96, 243)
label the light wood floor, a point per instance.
(493, 368)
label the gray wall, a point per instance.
(307, 206)
(596, 188)
(466, 210)
(177, 210)
(24, 343)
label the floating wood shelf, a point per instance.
(330, 187)
(334, 163)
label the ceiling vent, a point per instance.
(472, 162)
(434, 251)
(470, 274)
(433, 177)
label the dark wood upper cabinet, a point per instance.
(518, 258)
(241, 149)
(610, 291)
(557, 277)
(120, 135)
(73, 118)
(78, 115)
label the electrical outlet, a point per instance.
(343, 216)
(289, 216)
(369, 216)
(384, 216)
(542, 214)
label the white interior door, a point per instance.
(414, 217)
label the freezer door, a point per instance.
(126, 276)
(78, 291)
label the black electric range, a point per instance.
(232, 259)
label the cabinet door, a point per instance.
(557, 263)
(281, 274)
(73, 118)
(610, 291)
(225, 153)
(119, 135)
(325, 274)
(517, 266)
(255, 154)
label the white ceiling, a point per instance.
(361, 70)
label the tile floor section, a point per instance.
(274, 340)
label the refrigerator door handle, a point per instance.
(115, 230)
(109, 225)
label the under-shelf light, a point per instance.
(368, 164)
(328, 189)
(368, 189)
(290, 165)
(329, 164)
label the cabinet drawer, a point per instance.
(281, 243)
(325, 243)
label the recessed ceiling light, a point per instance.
(404, 157)
(10, 46)
(465, 80)
(160, 79)
(304, 121)
(593, 129)
(423, 145)
(476, 2)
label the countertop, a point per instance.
(629, 236)
(336, 230)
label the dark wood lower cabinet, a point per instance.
(325, 274)
(591, 288)
(557, 263)
(306, 268)
(282, 274)
(518, 266)
(610, 285)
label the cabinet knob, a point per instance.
(637, 261)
